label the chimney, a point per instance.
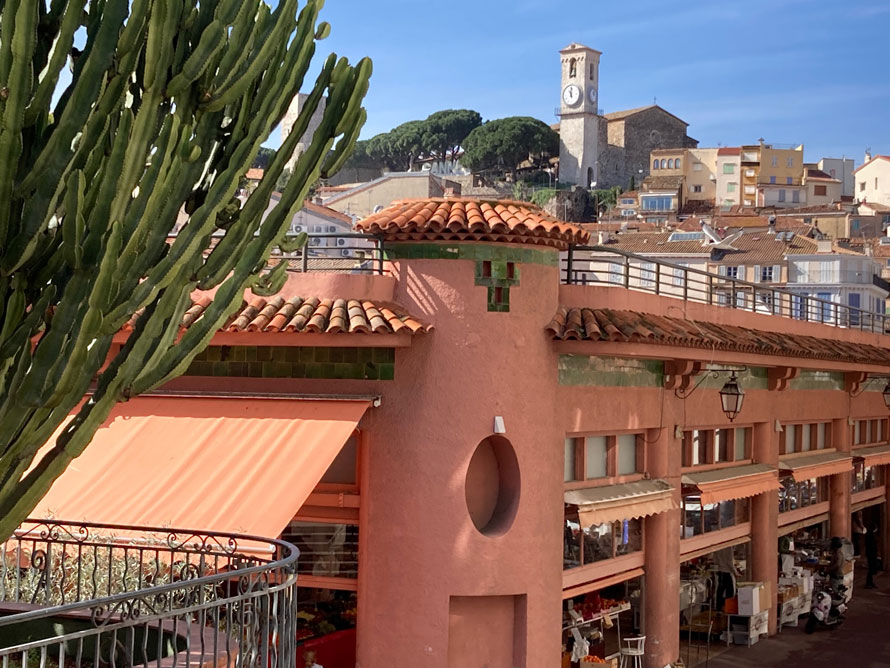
(319, 200)
(772, 224)
(823, 246)
(868, 155)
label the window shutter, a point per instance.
(777, 273)
(721, 270)
(756, 274)
(741, 272)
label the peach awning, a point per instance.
(611, 503)
(734, 482)
(211, 464)
(816, 466)
(874, 456)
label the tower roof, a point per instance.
(574, 46)
(471, 220)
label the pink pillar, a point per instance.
(662, 548)
(765, 519)
(840, 483)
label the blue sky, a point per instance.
(790, 71)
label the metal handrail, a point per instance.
(679, 281)
(199, 596)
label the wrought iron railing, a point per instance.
(339, 252)
(79, 594)
(601, 265)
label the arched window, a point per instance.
(655, 164)
(573, 68)
(663, 163)
(677, 163)
(670, 163)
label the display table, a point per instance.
(334, 650)
(746, 629)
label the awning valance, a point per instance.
(875, 456)
(816, 466)
(611, 503)
(734, 482)
(211, 464)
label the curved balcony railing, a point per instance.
(79, 594)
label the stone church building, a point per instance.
(607, 149)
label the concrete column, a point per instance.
(765, 519)
(840, 483)
(661, 612)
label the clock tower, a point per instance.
(579, 122)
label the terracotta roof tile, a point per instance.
(662, 183)
(729, 150)
(751, 247)
(312, 315)
(471, 220)
(629, 326)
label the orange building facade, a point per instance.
(504, 413)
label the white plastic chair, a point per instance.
(632, 654)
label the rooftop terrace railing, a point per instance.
(601, 265)
(79, 594)
(337, 252)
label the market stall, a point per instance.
(595, 623)
(326, 625)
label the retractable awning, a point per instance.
(876, 456)
(734, 482)
(212, 464)
(611, 503)
(816, 466)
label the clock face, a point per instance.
(571, 95)
(591, 94)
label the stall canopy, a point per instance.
(734, 482)
(816, 466)
(210, 464)
(876, 456)
(610, 503)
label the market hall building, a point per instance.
(468, 450)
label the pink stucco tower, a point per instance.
(460, 547)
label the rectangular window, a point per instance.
(647, 274)
(696, 167)
(730, 187)
(795, 196)
(616, 272)
(596, 457)
(790, 162)
(804, 437)
(782, 195)
(569, 464)
(699, 519)
(820, 191)
(740, 444)
(627, 454)
(821, 435)
(772, 179)
(788, 180)
(728, 168)
(862, 186)
(826, 310)
(599, 542)
(790, 435)
(766, 274)
(774, 161)
(722, 452)
(732, 272)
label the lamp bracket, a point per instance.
(685, 392)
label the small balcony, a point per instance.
(78, 594)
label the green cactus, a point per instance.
(169, 103)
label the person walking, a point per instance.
(871, 555)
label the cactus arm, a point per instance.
(70, 22)
(18, 90)
(212, 41)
